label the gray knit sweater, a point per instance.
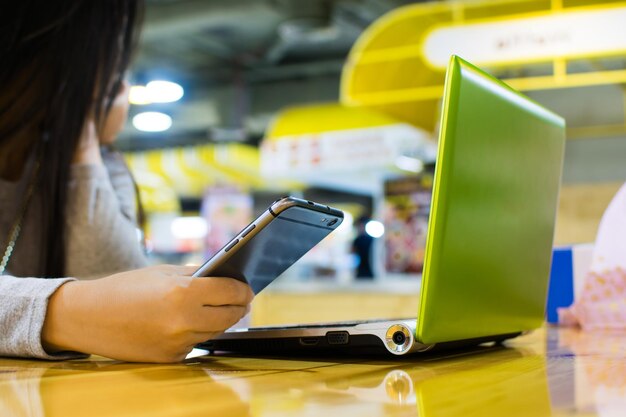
(100, 240)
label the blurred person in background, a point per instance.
(362, 247)
(67, 207)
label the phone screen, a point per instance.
(276, 247)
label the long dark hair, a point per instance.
(59, 61)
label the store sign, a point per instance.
(527, 39)
(340, 151)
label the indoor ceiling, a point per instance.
(240, 61)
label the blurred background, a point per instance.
(236, 103)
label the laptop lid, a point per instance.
(491, 227)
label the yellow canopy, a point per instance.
(397, 65)
(164, 174)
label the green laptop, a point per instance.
(490, 233)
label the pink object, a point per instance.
(602, 304)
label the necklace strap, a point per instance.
(16, 228)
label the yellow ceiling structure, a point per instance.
(164, 174)
(396, 65)
(394, 74)
(326, 117)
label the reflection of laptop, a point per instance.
(504, 386)
(490, 232)
(483, 381)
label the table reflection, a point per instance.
(599, 380)
(482, 382)
(108, 388)
(553, 372)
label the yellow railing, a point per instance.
(389, 69)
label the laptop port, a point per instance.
(337, 338)
(398, 338)
(309, 341)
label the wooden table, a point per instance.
(550, 372)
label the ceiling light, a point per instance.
(152, 121)
(407, 163)
(138, 95)
(164, 91)
(191, 227)
(374, 228)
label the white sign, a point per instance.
(527, 39)
(341, 151)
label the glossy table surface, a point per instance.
(549, 372)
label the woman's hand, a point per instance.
(155, 314)
(114, 122)
(88, 149)
(93, 135)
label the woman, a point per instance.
(60, 83)
(66, 208)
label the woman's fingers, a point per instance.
(174, 270)
(214, 291)
(216, 319)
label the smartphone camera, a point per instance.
(332, 222)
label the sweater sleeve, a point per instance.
(23, 306)
(101, 232)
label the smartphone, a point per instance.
(273, 242)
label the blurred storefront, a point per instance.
(372, 153)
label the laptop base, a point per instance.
(379, 338)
